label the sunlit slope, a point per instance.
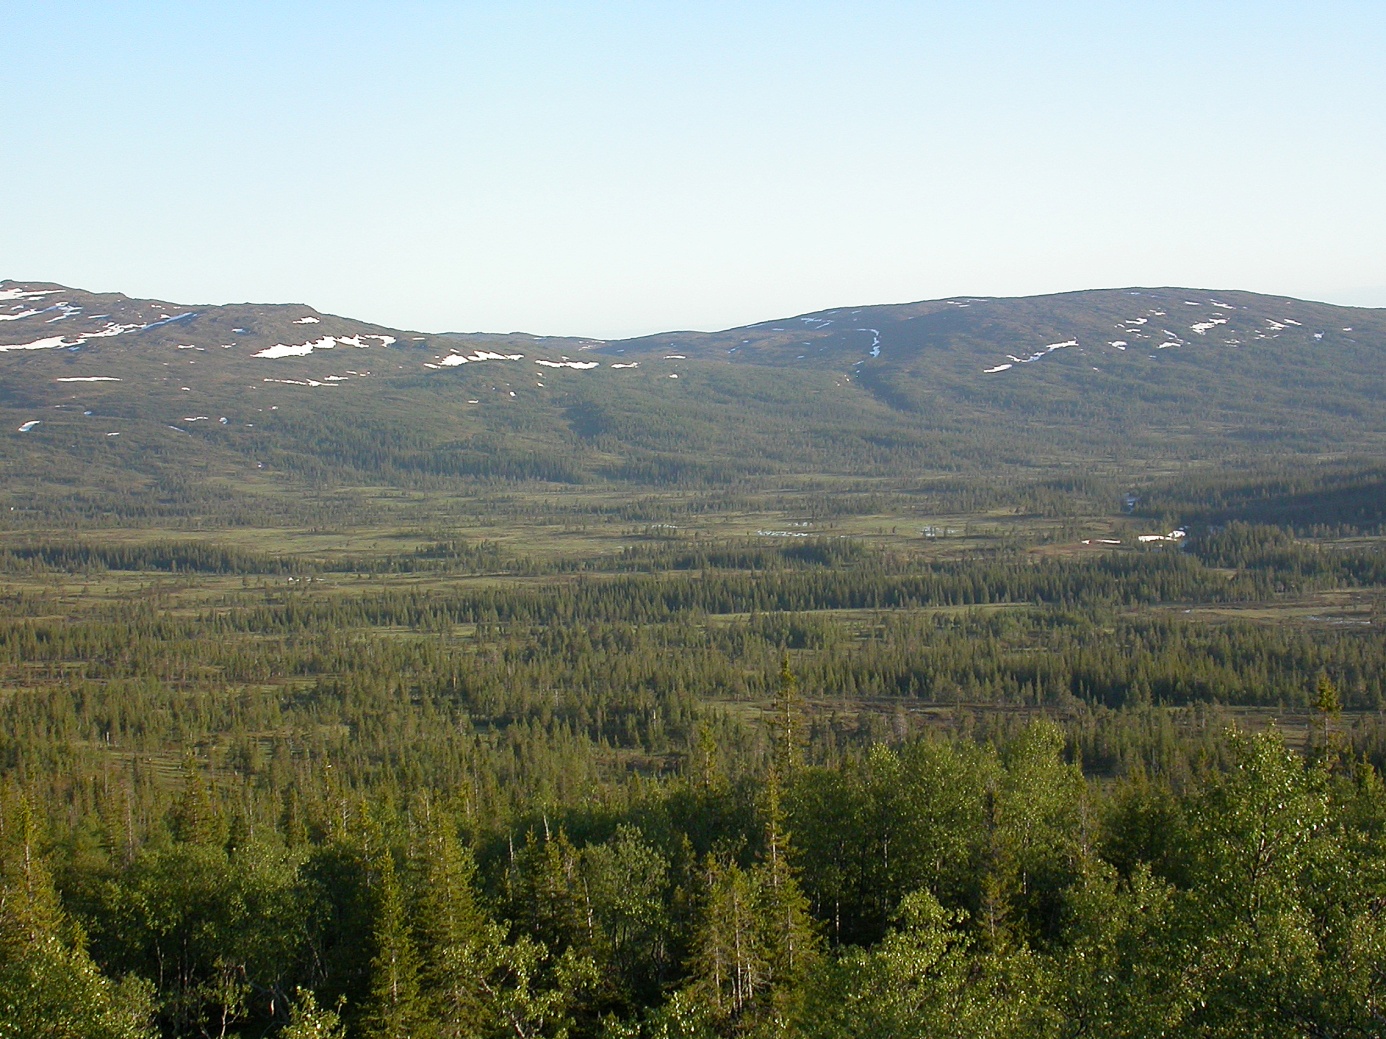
(103, 395)
(1137, 364)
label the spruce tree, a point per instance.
(396, 1008)
(452, 931)
(788, 728)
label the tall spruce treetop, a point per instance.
(789, 729)
(397, 1009)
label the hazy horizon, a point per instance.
(840, 305)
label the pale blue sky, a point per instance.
(617, 168)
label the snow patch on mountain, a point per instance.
(356, 340)
(454, 359)
(296, 350)
(1203, 327)
(1043, 353)
(112, 328)
(325, 343)
(51, 343)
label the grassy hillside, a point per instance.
(146, 408)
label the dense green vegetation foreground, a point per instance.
(991, 893)
(696, 787)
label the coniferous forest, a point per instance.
(697, 694)
(790, 786)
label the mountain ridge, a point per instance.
(106, 391)
(22, 299)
